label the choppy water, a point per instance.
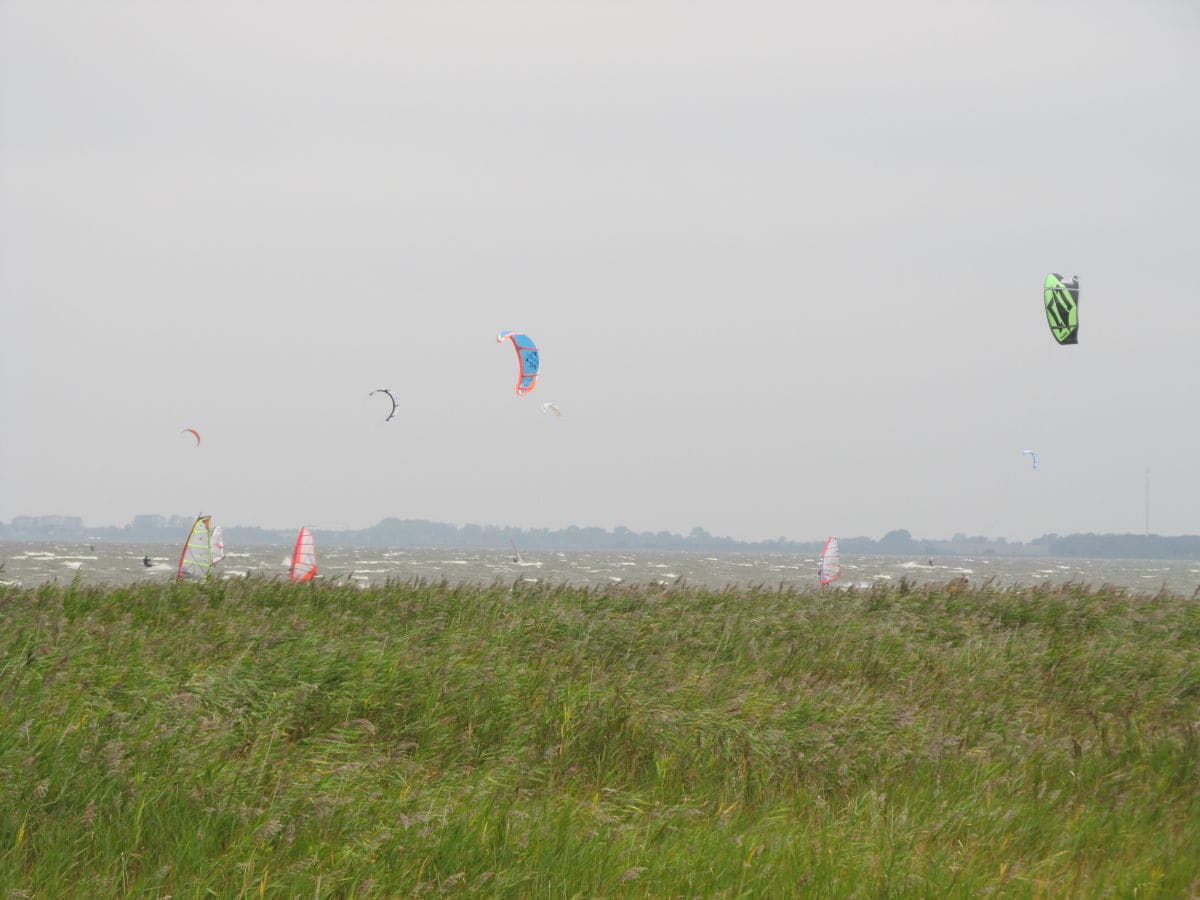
(30, 564)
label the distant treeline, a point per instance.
(416, 533)
(1123, 546)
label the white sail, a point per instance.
(521, 560)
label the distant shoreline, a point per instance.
(418, 535)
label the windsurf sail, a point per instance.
(528, 359)
(395, 405)
(218, 544)
(304, 558)
(519, 559)
(1032, 453)
(193, 432)
(196, 560)
(1062, 307)
(830, 567)
(551, 408)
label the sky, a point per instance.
(783, 261)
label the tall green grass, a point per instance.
(261, 739)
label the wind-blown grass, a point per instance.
(253, 737)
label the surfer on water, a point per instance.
(146, 562)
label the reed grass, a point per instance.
(254, 738)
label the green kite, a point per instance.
(1062, 307)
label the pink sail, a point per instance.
(830, 567)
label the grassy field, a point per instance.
(255, 738)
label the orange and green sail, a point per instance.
(196, 560)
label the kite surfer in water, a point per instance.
(146, 562)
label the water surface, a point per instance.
(35, 563)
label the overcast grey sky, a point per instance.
(783, 259)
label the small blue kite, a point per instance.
(527, 358)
